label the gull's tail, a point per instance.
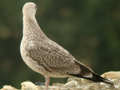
(94, 77)
(97, 78)
(87, 73)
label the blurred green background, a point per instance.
(89, 29)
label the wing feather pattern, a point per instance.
(53, 57)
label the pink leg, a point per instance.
(47, 81)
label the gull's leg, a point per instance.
(47, 81)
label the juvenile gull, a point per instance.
(47, 57)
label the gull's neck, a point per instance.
(31, 29)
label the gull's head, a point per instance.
(29, 9)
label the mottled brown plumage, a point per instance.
(45, 56)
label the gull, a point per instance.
(45, 56)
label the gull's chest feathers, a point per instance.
(28, 47)
(31, 30)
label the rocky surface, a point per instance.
(73, 84)
(112, 75)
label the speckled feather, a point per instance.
(45, 52)
(47, 57)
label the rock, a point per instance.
(112, 75)
(79, 80)
(72, 84)
(8, 87)
(27, 85)
(58, 84)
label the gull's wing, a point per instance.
(53, 57)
